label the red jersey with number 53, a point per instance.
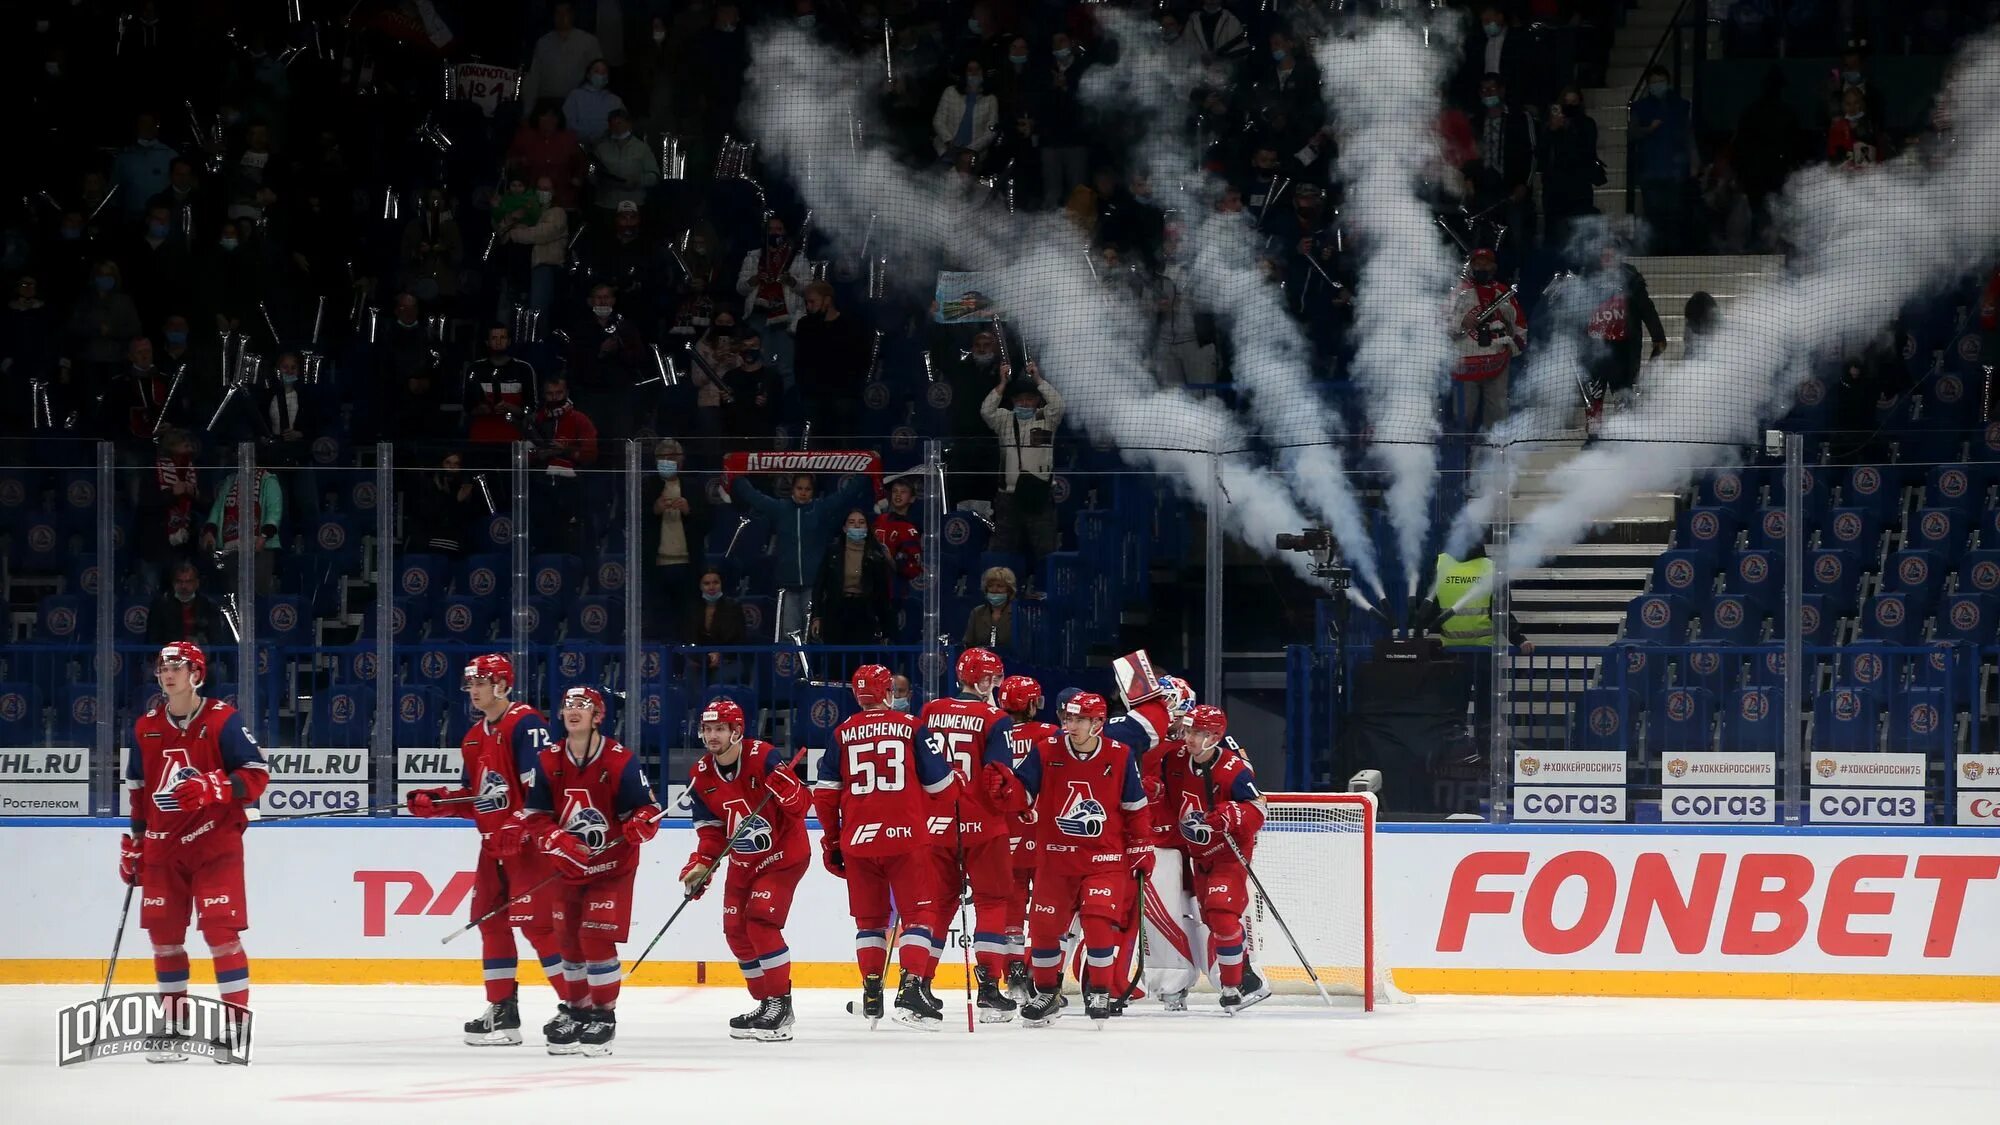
(971, 734)
(500, 760)
(878, 782)
(719, 804)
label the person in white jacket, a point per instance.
(772, 281)
(966, 116)
(1024, 416)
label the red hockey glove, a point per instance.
(1001, 787)
(787, 792)
(694, 876)
(557, 842)
(1156, 791)
(641, 827)
(830, 857)
(203, 790)
(131, 855)
(1238, 818)
(424, 802)
(1143, 859)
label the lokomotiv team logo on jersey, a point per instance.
(748, 834)
(175, 769)
(584, 820)
(1082, 815)
(493, 795)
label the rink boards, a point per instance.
(1862, 913)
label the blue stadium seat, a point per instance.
(496, 533)
(1600, 719)
(1713, 665)
(1943, 530)
(1754, 722)
(1952, 486)
(596, 619)
(1736, 490)
(407, 619)
(1967, 617)
(557, 577)
(575, 665)
(39, 545)
(545, 621)
(608, 578)
(284, 620)
(1836, 577)
(420, 713)
(1943, 663)
(1707, 529)
(335, 554)
(1759, 574)
(1657, 619)
(76, 501)
(1816, 624)
(82, 575)
(485, 576)
(1869, 666)
(1896, 617)
(20, 715)
(816, 710)
(133, 615)
(461, 619)
(1687, 573)
(962, 539)
(423, 576)
(458, 719)
(1635, 664)
(662, 721)
(760, 617)
(1915, 572)
(1846, 719)
(1857, 530)
(1875, 489)
(1920, 722)
(1736, 619)
(437, 667)
(76, 722)
(66, 619)
(1682, 722)
(342, 715)
(1768, 532)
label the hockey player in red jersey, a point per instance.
(1091, 835)
(1147, 703)
(872, 805)
(193, 768)
(499, 754)
(975, 850)
(1211, 798)
(1021, 698)
(588, 808)
(745, 800)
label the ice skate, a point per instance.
(498, 1026)
(916, 1008)
(563, 1031)
(598, 1029)
(774, 1020)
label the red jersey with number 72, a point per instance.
(971, 734)
(879, 781)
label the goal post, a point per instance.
(1316, 857)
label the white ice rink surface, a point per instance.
(382, 1054)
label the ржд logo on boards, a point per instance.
(135, 1023)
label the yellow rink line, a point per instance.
(137, 972)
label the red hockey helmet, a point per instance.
(581, 696)
(1086, 705)
(1020, 693)
(493, 666)
(183, 654)
(723, 710)
(976, 664)
(1209, 719)
(871, 685)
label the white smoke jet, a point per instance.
(1385, 86)
(1271, 360)
(1869, 241)
(802, 102)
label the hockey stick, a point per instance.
(118, 941)
(522, 897)
(964, 896)
(1280, 919)
(688, 896)
(1138, 935)
(262, 819)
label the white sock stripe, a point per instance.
(999, 947)
(499, 974)
(169, 950)
(173, 987)
(1229, 958)
(871, 943)
(609, 974)
(751, 969)
(918, 940)
(1047, 960)
(1100, 960)
(226, 949)
(775, 960)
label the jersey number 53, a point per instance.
(876, 767)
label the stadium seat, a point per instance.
(1953, 486)
(545, 621)
(283, 620)
(816, 710)
(1816, 625)
(20, 715)
(133, 615)
(1713, 665)
(608, 578)
(462, 619)
(434, 666)
(76, 722)
(1942, 663)
(496, 532)
(1735, 619)
(1707, 529)
(1737, 490)
(577, 665)
(1657, 619)
(1944, 531)
(486, 575)
(342, 715)
(38, 545)
(1875, 489)
(1759, 574)
(1967, 617)
(1896, 617)
(558, 577)
(1754, 722)
(419, 716)
(1868, 665)
(760, 619)
(1846, 719)
(1921, 722)
(596, 619)
(1687, 573)
(1836, 577)
(334, 555)
(422, 576)
(962, 539)
(1642, 671)
(66, 619)
(82, 575)
(1856, 530)
(1914, 572)
(1600, 719)
(1682, 721)
(1767, 531)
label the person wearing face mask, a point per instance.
(158, 268)
(169, 497)
(717, 349)
(831, 363)
(547, 239)
(1024, 415)
(182, 612)
(966, 116)
(1571, 172)
(772, 281)
(102, 325)
(1062, 121)
(674, 526)
(544, 150)
(1503, 176)
(446, 507)
(560, 58)
(1491, 48)
(407, 378)
(715, 619)
(607, 361)
(1663, 158)
(141, 168)
(626, 169)
(852, 602)
(895, 527)
(186, 201)
(1488, 331)
(588, 106)
(136, 400)
(564, 441)
(752, 394)
(803, 523)
(991, 624)
(1010, 78)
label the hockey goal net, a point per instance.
(1316, 856)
